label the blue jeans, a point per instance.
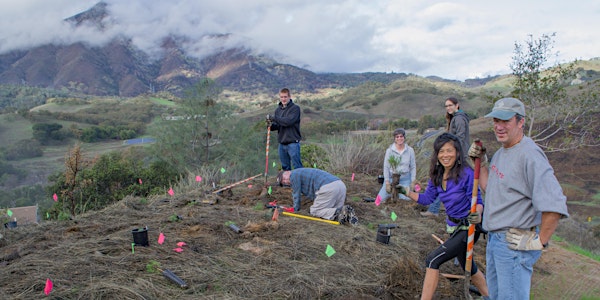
(405, 181)
(434, 207)
(508, 271)
(290, 152)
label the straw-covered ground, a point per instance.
(91, 257)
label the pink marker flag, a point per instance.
(55, 197)
(198, 178)
(417, 188)
(161, 238)
(140, 180)
(48, 287)
(178, 250)
(171, 191)
(378, 200)
(249, 186)
(181, 244)
(352, 177)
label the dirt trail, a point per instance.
(566, 274)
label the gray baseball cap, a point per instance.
(506, 108)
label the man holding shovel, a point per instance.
(328, 193)
(523, 203)
(286, 120)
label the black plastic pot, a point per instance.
(384, 236)
(140, 236)
(11, 224)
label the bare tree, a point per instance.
(559, 115)
(73, 166)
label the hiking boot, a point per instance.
(428, 214)
(352, 218)
(341, 215)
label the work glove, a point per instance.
(415, 186)
(474, 218)
(269, 121)
(402, 189)
(388, 188)
(476, 151)
(519, 239)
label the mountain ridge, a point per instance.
(118, 68)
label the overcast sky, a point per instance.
(451, 39)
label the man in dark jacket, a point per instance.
(286, 120)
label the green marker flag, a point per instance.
(132, 248)
(394, 216)
(329, 251)
(270, 190)
(315, 165)
(222, 170)
(9, 212)
(274, 164)
(47, 215)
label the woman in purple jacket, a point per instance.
(450, 179)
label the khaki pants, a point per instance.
(328, 199)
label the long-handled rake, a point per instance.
(234, 184)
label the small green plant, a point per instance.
(4, 216)
(174, 218)
(259, 206)
(63, 216)
(394, 163)
(152, 266)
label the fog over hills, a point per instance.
(119, 67)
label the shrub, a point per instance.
(23, 149)
(358, 153)
(108, 179)
(312, 155)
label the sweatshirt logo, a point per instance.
(497, 172)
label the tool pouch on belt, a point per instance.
(463, 224)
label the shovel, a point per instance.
(264, 190)
(471, 238)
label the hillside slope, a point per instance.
(91, 256)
